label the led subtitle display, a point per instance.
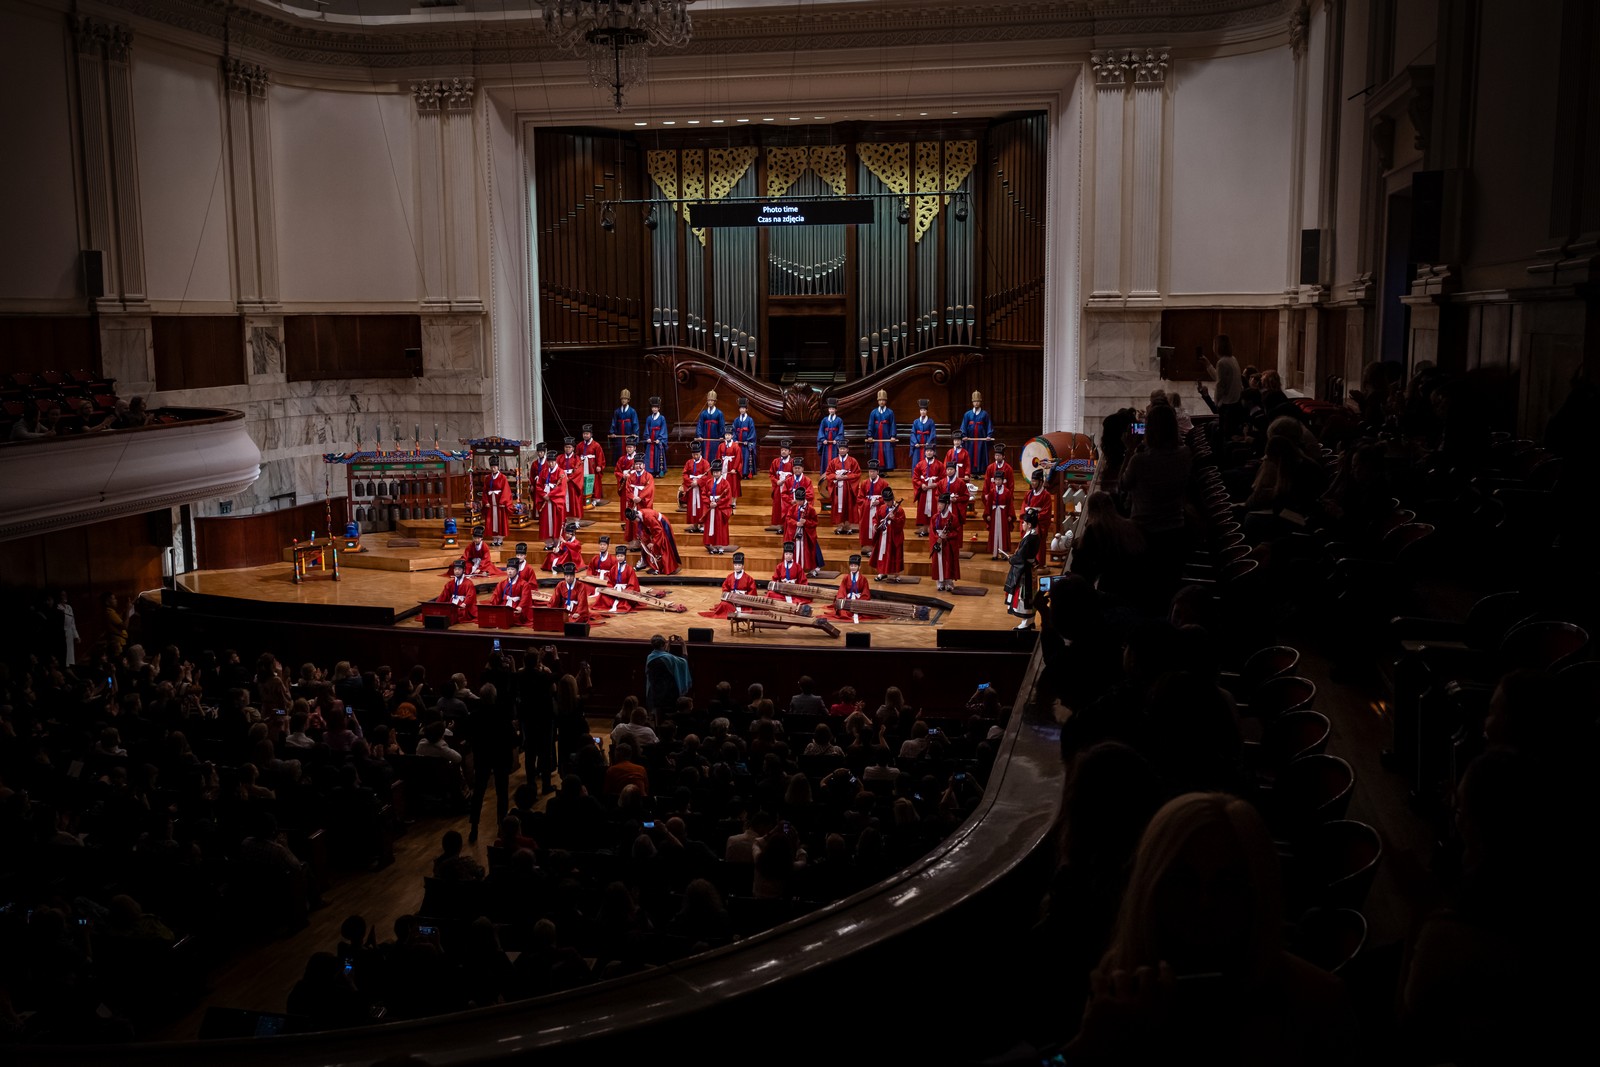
(782, 213)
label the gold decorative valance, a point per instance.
(892, 165)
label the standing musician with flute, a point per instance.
(888, 547)
(782, 474)
(696, 483)
(925, 479)
(945, 545)
(841, 478)
(999, 502)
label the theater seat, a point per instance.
(1333, 866)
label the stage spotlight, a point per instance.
(608, 218)
(905, 214)
(961, 207)
(650, 219)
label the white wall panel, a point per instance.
(39, 226)
(1231, 144)
(1315, 63)
(183, 196)
(343, 174)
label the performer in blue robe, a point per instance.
(977, 426)
(924, 431)
(709, 426)
(655, 439)
(830, 431)
(881, 431)
(624, 423)
(744, 431)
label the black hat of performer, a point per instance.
(787, 442)
(695, 448)
(633, 439)
(874, 465)
(1038, 474)
(788, 548)
(569, 441)
(494, 461)
(655, 401)
(831, 402)
(477, 531)
(588, 427)
(800, 492)
(522, 548)
(638, 461)
(621, 550)
(855, 561)
(744, 401)
(570, 527)
(569, 569)
(632, 513)
(738, 557)
(999, 446)
(459, 565)
(513, 563)
(888, 494)
(945, 498)
(1031, 516)
(923, 404)
(540, 447)
(605, 539)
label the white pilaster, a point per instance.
(460, 191)
(1109, 102)
(124, 167)
(430, 192)
(1150, 75)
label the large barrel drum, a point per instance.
(1050, 449)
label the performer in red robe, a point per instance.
(888, 548)
(591, 461)
(800, 526)
(656, 544)
(567, 550)
(1040, 500)
(852, 586)
(959, 459)
(478, 556)
(802, 481)
(604, 560)
(782, 474)
(719, 512)
(789, 571)
(730, 461)
(696, 488)
(639, 492)
(625, 467)
(737, 582)
(925, 479)
(514, 593)
(572, 596)
(623, 576)
(572, 467)
(870, 494)
(458, 590)
(552, 500)
(496, 502)
(999, 501)
(944, 546)
(956, 487)
(841, 478)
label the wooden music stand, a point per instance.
(496, 616)
(433, 609)
(548, 619)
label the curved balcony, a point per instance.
(55, 483)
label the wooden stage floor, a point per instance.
(400, 591)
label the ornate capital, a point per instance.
(248, 79)
(425, 95)
(90, 34)
(1149, 65)
(443, 94)
(1110, 70)
(1299, 28)
(119, 43)
(457, 93)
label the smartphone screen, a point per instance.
(497, 644)
(650, 824)
(1138, 429)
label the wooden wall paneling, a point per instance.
(329, 347)
(33, 343)
(198, 351)
(224, 542)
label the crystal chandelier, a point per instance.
(616, 36)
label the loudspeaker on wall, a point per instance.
(414, 361)
(700, 635)
(575, 629)
(857, 639)
(94, 273)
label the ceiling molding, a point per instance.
(476, 39)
